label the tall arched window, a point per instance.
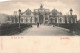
(9, 19)
(60, 20)
(26, 20)
(22, 20)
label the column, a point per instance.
(68, 19)
(44, 19)
(48, 18)
(75, 20)
(37, 18)
(57, 19)
(72, 20)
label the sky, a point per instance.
(9, 6)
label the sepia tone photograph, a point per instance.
(39, 26)
(39, 17)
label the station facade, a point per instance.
(44, 16)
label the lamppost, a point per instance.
(71, 17)
(19, 18)
(71, 11)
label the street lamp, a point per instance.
(71, 11)
(71, 24)
(19, 17)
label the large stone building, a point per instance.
(44, 16)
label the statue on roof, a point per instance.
(41, 6)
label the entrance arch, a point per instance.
(41, 19)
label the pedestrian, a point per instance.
(37, 24)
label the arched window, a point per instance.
(22, 20)
(35, 19)
(31, 19)
(60, 20)
(26, 20)
(9, 19)
(16, 19)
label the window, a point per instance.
(46, 18)
(26, 20)
(60, 20)
(22, 20)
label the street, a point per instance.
(45, 30)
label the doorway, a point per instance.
(41, 19)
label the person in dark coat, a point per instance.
(38, 24)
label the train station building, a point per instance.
(43, 16)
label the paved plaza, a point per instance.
(44, 30)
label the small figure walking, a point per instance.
(38, 24)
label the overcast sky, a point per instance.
(64, 6)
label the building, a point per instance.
(45, 16)
(42, 15)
